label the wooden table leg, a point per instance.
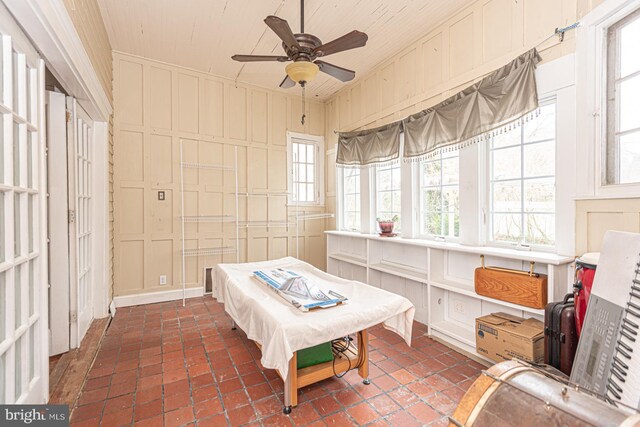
(363, 356)
(291, 385)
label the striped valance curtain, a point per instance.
(500, 98)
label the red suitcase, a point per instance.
(585, 273)
(560, 336)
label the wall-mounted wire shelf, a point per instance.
(184, 219)
(209, 218)
(305, 217)
(220, 250)
(206, 166)
(266, 224)
(265, 194)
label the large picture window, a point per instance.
(623, 101)
(522, 194)
(500, 191)
(440, 195)
(351, 199)
(388, 191)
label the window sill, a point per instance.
(437, 239)
(535, 256)
(620, 191)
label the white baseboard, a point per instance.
(154, 297)
(112, 308)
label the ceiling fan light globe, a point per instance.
(302, 71)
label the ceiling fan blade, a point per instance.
(256, 58)
(339, 73)
(350, 40)
(282, 30)
(287, 83)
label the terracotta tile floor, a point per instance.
(162, 364)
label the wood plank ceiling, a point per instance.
(203, 34)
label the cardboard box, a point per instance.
(501, 336)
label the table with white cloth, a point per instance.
(280, 329)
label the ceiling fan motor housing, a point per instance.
(307, 42)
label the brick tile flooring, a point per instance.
(164, 364)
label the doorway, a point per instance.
(70, 146)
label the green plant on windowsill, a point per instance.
(386, 225)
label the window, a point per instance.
(351, 199)
(388, 200)
(305, 157)
(623, 101)
(498, 192)
(522, 182)
(439, 196)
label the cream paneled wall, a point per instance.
(595, 217)
(462, 49)
(156, 107)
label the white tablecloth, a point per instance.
(281, 329)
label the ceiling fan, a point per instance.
(304, 49)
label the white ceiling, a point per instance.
(203, 34)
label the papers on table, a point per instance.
(298, 290)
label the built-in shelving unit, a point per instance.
(437, 277)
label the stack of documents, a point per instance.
(297, 290)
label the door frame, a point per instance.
(52, 32)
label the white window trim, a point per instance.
(591, 61)
(319, 169)
(392, 189)
(340, 220)
(369, 198)
(543, 100)
(416, 179)
(555, 81)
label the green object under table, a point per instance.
(314, 355)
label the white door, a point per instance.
(23, 252)
(58, 220)
(80, 136)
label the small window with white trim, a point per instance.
(522, 192)
(623, 101)
(305, 155)
(439, 197)
(350, 202)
